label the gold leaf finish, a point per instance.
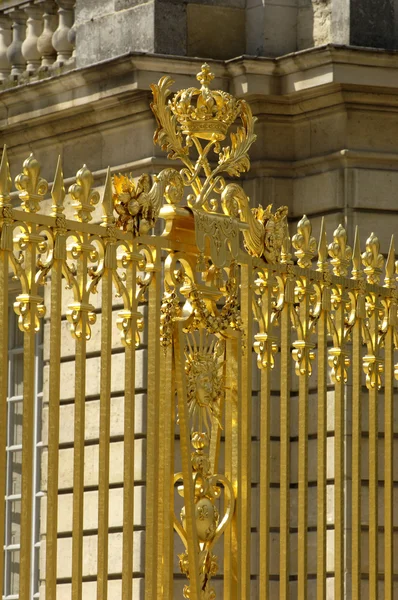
(205, 282)
(340, 252)
(84, 197)
(31, 186)
(304, 243)
(372, 259)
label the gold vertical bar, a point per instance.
(321, 456)
(53, 429)
(265, 449)
(388, 464)
(78, 464)
(166, 489)
(129, 427)
(356, 460)
(189, 504)
(79, 432)
(4, 265)
(54, 387)
(231, 464)
(284, 498)
(302, 567)
(152, 477)
(104, 429)
(6, 245)
(373, 474)
(28, 432)
(244, 438)
(339, 463)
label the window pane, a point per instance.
(15, 420)
(17, 375)
(15, 517)
(17, 340)
(14, 572)
(15, 459)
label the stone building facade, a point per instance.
(322, 79)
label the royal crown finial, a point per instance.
(205, 77)
(204, 113)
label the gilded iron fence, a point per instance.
(271, 488)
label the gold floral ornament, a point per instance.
(340, 252)
(84, 197)
(304, 243)
(372, 260)
(31, 186)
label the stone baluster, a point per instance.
(5, 41)
(34, 28)
(60, 39)
(44, 43)
(14, 51)
(72, 40)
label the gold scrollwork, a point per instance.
(29, 310)
(204, 359)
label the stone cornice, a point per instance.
(316, 79)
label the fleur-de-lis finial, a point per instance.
(85, 199)
(304, 243)
(5, 180)
(390, 279)
(340, 252)
(323, 265)
(372, 260)
(58, 192)
(32, 187)
(205, 77)
(357, 271)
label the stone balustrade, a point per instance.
(36, 39)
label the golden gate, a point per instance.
(219, 279)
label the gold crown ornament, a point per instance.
(205, 113)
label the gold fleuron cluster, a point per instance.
(205, 113)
